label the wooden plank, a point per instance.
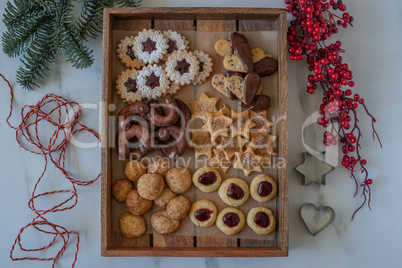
(257, 25)
(132, 25)
(216, 25)
(174, 25)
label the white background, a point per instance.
(373, 51)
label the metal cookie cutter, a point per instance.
(316, 219)
(313, 169)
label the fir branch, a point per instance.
(127, 3)
(89, 24)
(75, 51)
(23, 10)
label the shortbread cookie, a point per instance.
(207, 179)
(163, 224)
(203, 105)
(179, 180)
(230, 221)
(136, 204)
(120, 189)
(222, 47)
(241, 124)
(258, 54)
(182, 67)
(234, 64)
(260, 120)
(234, 192)
(232, 144)
(159, 166)
(201, 143)
(153, 82)
(261, 220)
(218, 82)
(126, 86)
(217, 124)
(248, 161)
(236, 86)
(173, 89)
(150, 186)
(176, 42)
(132, 226)
(205, 67)
(261, 142)
(150, 46)
(263, 188)
(134, 170)
(127, 55)
(203, 213)
(164, 198)
(178, 207)
(220, 160)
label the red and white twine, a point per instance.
(55, 150)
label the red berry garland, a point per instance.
(314, 23)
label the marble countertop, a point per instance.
(371, 240)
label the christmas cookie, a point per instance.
(248, 161)
(174, 88)
(164, 198)
(134, 170)
(263, 188)
(220, 160)
(230, 221)
(127, 55)
(136, 204)
(182, 67)
(241, 124)
(222, 47)
(176, 42)
(217, 124)
(203, 105)
(126, 86)
(207, 179)
(120, 189)
(261, 220)
(205, 67)
(179, 180)
(261, 142)
(260, 119)
(159, 166)
(150, 46)
(232, 144)
(152, 82)
(201, 143)
(234, 64)
(203, 213)
(163, 224)
(132, 226)
(150, 186)
(178, 207)
(234, 192)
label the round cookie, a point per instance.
(150, 46)
(203, 213)
(164, 198)
(126, 86)
(182, 67)
(120, 189)
(176, 42)
(159, 166)
(205, 67)
(234, 192)
(126, 53)
(261, 220)
(179, 180)
(153, 82)
(136, 204)
(222, 47)
(162, 224)
(150, 186)
(134, 170)
(230, 221)
(263, 188)
(178, 207)
(132, 226)
(207, 179)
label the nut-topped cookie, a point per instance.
(150, 46)
(182, 67)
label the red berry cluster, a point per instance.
(314, 23)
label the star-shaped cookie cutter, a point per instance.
(313, 169)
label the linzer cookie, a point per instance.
(126, 53)
(153, 82)
(176, 42)
(205, 68)
(182, 67)
(150, 46)
(127, 86)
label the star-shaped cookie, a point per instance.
(248, 162)
(226, 110)
(261, 142)
(260, 119)
(201, 143)
(217, 124)
(241, 123)
(230, 145)
(203, 105)
(220, 160)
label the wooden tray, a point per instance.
(196, 21)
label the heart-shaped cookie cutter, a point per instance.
(317, 210)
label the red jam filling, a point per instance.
(203, 214)
(152, 81)
(264, 188)
(130, 52)
(207, 178)
(201, 69)
(172, 46)
(231, 219)
(148, 46)
(261, 219)
(235, 192)
(131, 85)
(182, 66)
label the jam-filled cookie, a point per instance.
(164, 198)
(182, 67)
(179, 180)
(263, 188)
(234, 192)
(203, 213)
(261, 220)
(136, 204)
(153, 82)
(230, 221)
(150, 186)
(132, 226)
(126, 86)
(120, 189)
(126, 53)
(159, 166)
(134, 170)
(150, 46)
(178, 207)
(205, 67)
(163, 224)
(207, 179)
(176, 42)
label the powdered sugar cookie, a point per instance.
(127, 86)
(126, 53)
(205, 67)
(152, 82)
(150, 46)
(182, 67)
(176, 42)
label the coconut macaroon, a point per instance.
(153, 82)
(150, 46)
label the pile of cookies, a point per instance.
(157, 184)
(233, 192)
(159, 63)
(226, 132)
